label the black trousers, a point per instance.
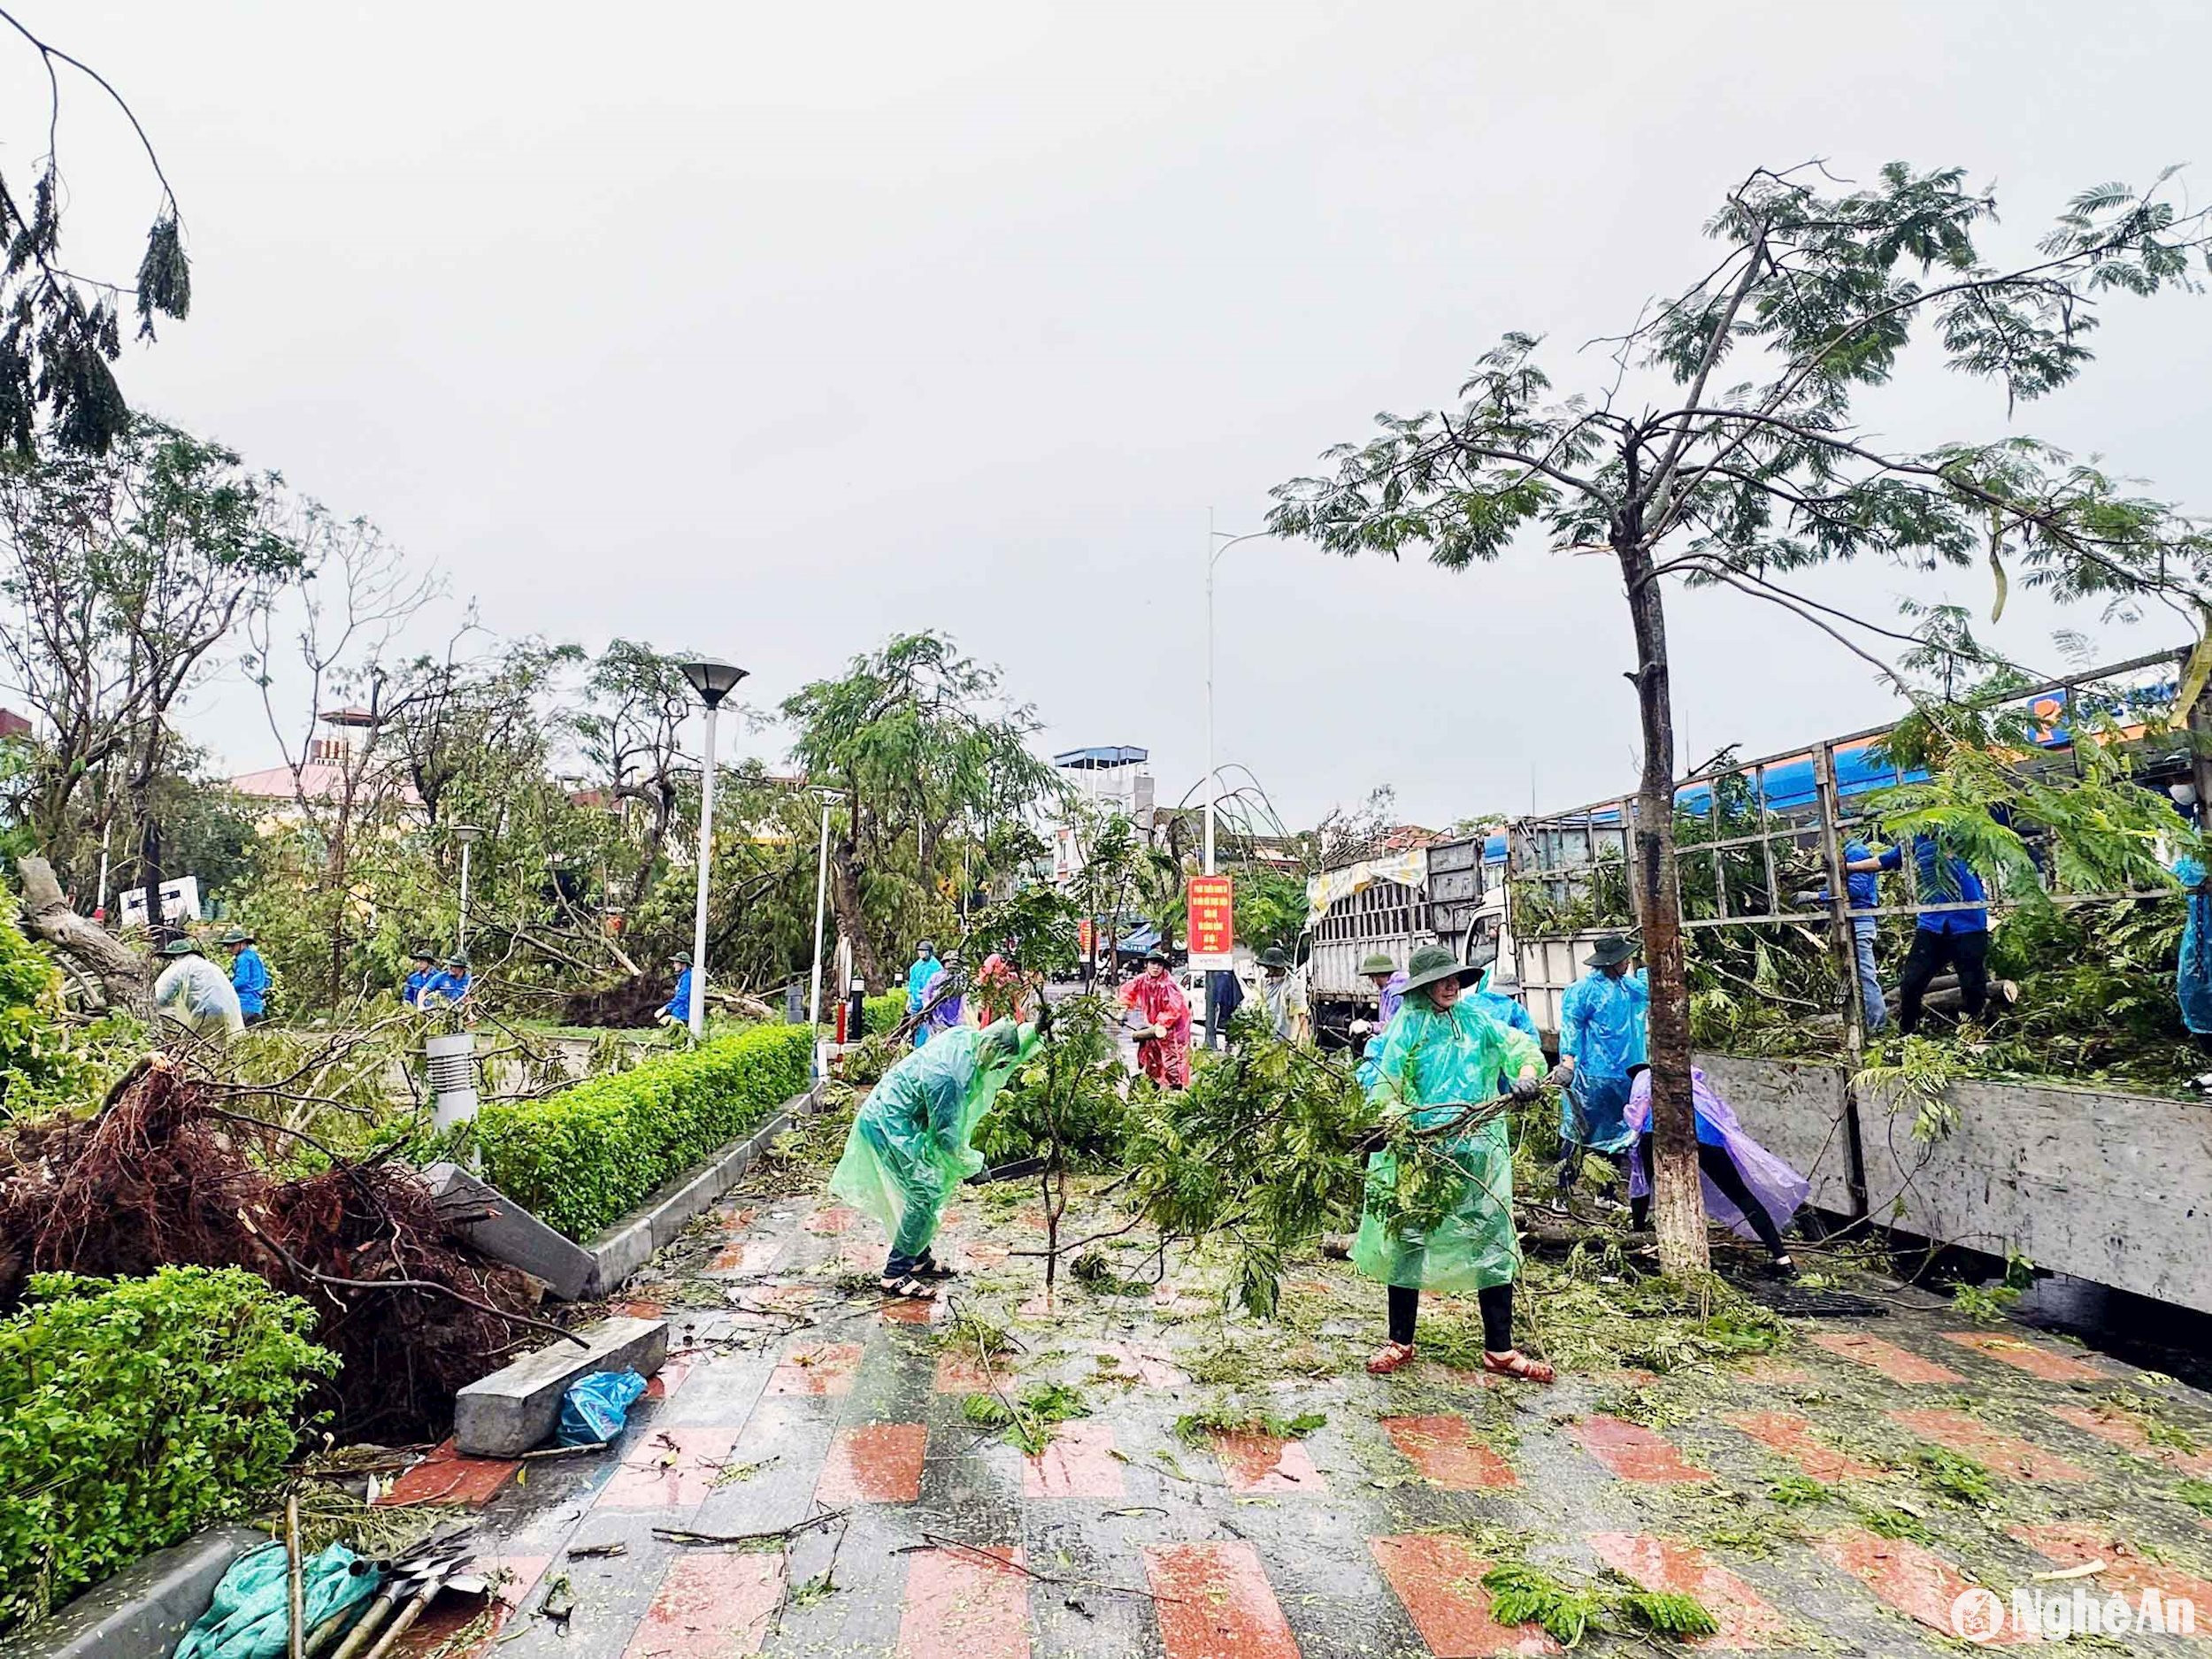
(1496, 1300)
(1718, 1168)
(1965, 954)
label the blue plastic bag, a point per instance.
(594, 1408)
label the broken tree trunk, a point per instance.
(123, 975)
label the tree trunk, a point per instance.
(157, 928)
(851, 920)
(1678, 1201)
(122, 972)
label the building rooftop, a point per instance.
(1101, 758)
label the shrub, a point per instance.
(586, 1156)
(133, 1411)
(38, 1067)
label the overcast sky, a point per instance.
(770, 330)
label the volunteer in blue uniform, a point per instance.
(451, 984)
(1956, 937)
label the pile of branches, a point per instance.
(167, 1170)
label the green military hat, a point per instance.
(182, 948)
(1618, 947)
(238, 936)
(1433, 963)
(1376, 962)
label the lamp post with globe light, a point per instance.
(713, 681)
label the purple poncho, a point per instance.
(1776, 1186)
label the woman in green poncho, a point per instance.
(910, 1142)
(1440, 1057)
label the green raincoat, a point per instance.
(910, 1142)
(1434, 1065)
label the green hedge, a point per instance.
(585, 1157)
(132, 1412)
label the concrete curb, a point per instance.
(630, 1242)
(142, 1610)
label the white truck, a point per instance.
(1392, 903)
(1452, 892)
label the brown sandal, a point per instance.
(1515, 1364)
(1389, 1357)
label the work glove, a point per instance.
(1360, 1028)
(1527, 1089)
(1562, 1074)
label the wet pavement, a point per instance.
(1836, 1497)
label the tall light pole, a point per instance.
(1213, 557)
(468, 835)
(821, 899)
(713, 681)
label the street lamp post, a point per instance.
(1213, 557)
(713, 681)
(468, 835)
(821, 899)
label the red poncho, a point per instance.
(1160, 1001)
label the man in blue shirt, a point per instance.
(1958, 939)
(451, 984)
(249, 976)
(1863, 893)
(677, 1009)
(419, 981)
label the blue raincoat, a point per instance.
(909, 1144)
(944, 1017)
(678, 1005)
(1434, 1065)
(1369, 1071)
(1507, 1011)
(2193, 979)
(1601, 1029)
(918, 978)
(249, 978)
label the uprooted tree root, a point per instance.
(165, 1173)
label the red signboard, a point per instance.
(1213, 931)
(1083, 938)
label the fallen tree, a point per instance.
(122, 974)
(173, 1170)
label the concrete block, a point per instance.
(512, 1234)
(516, 1407)
(141, 1611)
(620, 1252)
